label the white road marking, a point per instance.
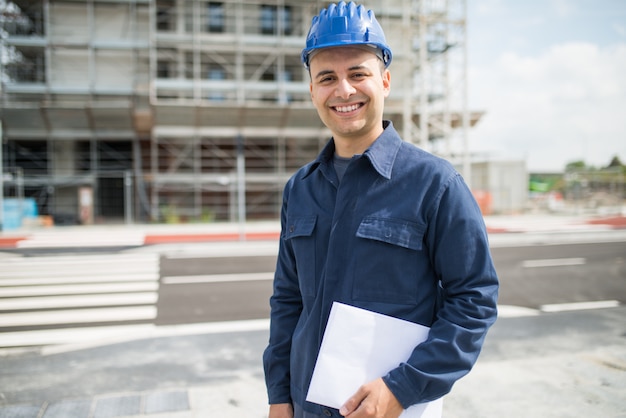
(76, 270)
(511, 311)
(91, 278)
(76, 289)
(70, 339)
(579, 306)
(72, 266)
(74, 301)
(554, 262)
(79, 259)
(68, 292)
(78, 316)
(69, 335)
(218, 278)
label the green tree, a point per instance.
(575, 166)
(615, 162)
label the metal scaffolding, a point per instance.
(204, 104)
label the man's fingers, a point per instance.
(373, 399)
(353, 403)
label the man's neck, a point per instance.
(346, 147)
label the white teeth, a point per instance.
(343, 109)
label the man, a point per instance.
(376, 223)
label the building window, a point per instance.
(269, 19)
(215, 17)
(216, 73)
(163, 69)
(269, 75)
(286, 17)
(287, 77)
(165, 19)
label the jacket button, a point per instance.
(291, 228)
(327, 413)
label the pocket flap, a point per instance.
(392, 231)
(300, 227)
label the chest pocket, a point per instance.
(392, 231)
(300, 226)
(300, 234)
(389, 259)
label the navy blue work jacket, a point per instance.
(400, 235)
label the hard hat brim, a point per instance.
(368, 47)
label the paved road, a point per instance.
(538, 276)
(69, 298)
(216, 287)
(195, 288)
(58, 294)
(539, 363)
(553, 365)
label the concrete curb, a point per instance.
(141, 235)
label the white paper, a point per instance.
(360, 346)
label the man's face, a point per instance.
(348, 88)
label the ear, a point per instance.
(311, 90)
(386, 82)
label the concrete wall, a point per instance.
(500, 187)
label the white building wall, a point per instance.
(509, 185)
(69, 68)
(112, 22)
(69, 23)
(114, 69)
(500, 187)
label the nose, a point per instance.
(345, 89)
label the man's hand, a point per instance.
(281, 410)
(372, 400)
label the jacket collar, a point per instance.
(382, 153)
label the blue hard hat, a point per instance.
(346, 25)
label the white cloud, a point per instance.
(566, 104)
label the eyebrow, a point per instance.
(323, 73)
(353, 68)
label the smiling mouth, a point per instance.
(347, 109)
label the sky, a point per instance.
(550, 76)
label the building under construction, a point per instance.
(194, 110)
